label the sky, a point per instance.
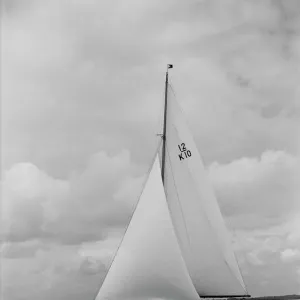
(82, 85)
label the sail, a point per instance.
(196, 216)
(149, 264)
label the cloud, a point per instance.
(259, 197)
(60, 271)
(293, 237)
(83, 208)
(26, 249)
(259, 257)
(261, 192)
(289, 255)
(92, 267)
(25, 190)
(259, 252)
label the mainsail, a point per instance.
(149, 264)
(195, 213)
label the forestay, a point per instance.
(196, 215)
(149, 263)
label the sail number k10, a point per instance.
(184, 152)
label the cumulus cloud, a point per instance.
(83, 208)
(260, 191)
(259, 198)
(91, 266)
(25, 189)
(290, 255)
(103, 195)
(259, 253)
(24, 249)
(293, 237)
(58, 272)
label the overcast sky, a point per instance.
(82, 98)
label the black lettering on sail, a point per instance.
(183, 150)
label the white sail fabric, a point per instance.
(149, 264)
(196, 216)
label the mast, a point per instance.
(165, 125)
